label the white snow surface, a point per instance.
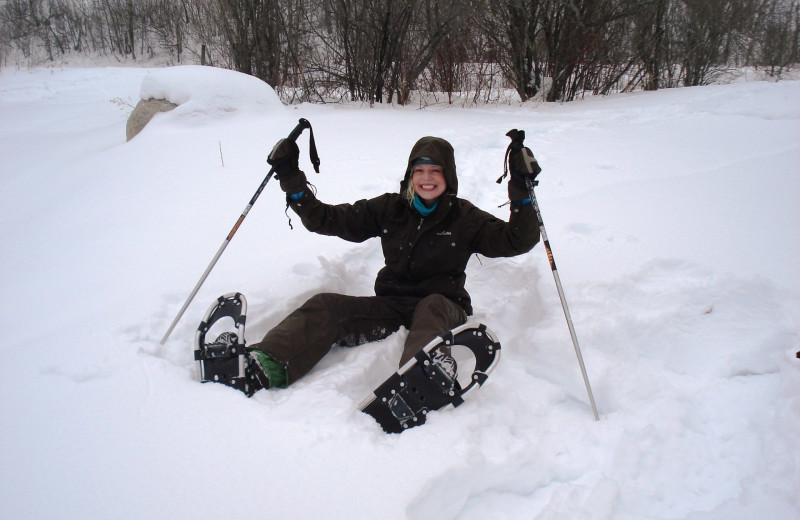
(673, 217)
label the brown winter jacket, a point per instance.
(423, 255)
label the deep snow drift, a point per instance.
(673, 216)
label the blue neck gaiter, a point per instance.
(422, 208)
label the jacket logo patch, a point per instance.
(444, 233)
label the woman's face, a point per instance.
(428, 181)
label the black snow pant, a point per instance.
(303, 338)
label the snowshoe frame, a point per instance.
(223, 362)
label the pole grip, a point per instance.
(302, 125)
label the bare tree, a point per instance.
(380, 47)
(780, 42)
(437, 21)
(705, 35)
(650, 42)
(362, 39)
(515, 28)
(252, 31)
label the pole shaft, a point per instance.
(196, 288)
(293, 135)
(225, 243)
(563, 298)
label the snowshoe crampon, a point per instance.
(223, 359)
(430, 380)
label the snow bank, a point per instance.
(204, 94)
(672, 216)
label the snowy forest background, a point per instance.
(453, 51)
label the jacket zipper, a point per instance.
(413, 246)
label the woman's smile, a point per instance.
(428, 181)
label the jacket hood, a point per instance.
(440, 151)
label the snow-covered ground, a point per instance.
(673, 216)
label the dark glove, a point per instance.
(284, 159)
(522, 165)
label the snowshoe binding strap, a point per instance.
(481, 341)
(312, 144)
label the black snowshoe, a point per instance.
(429, 381)
(224, 360)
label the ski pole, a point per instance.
(302, 125)
(517, 138)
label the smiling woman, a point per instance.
(427, 235)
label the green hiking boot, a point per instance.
(262, 372)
